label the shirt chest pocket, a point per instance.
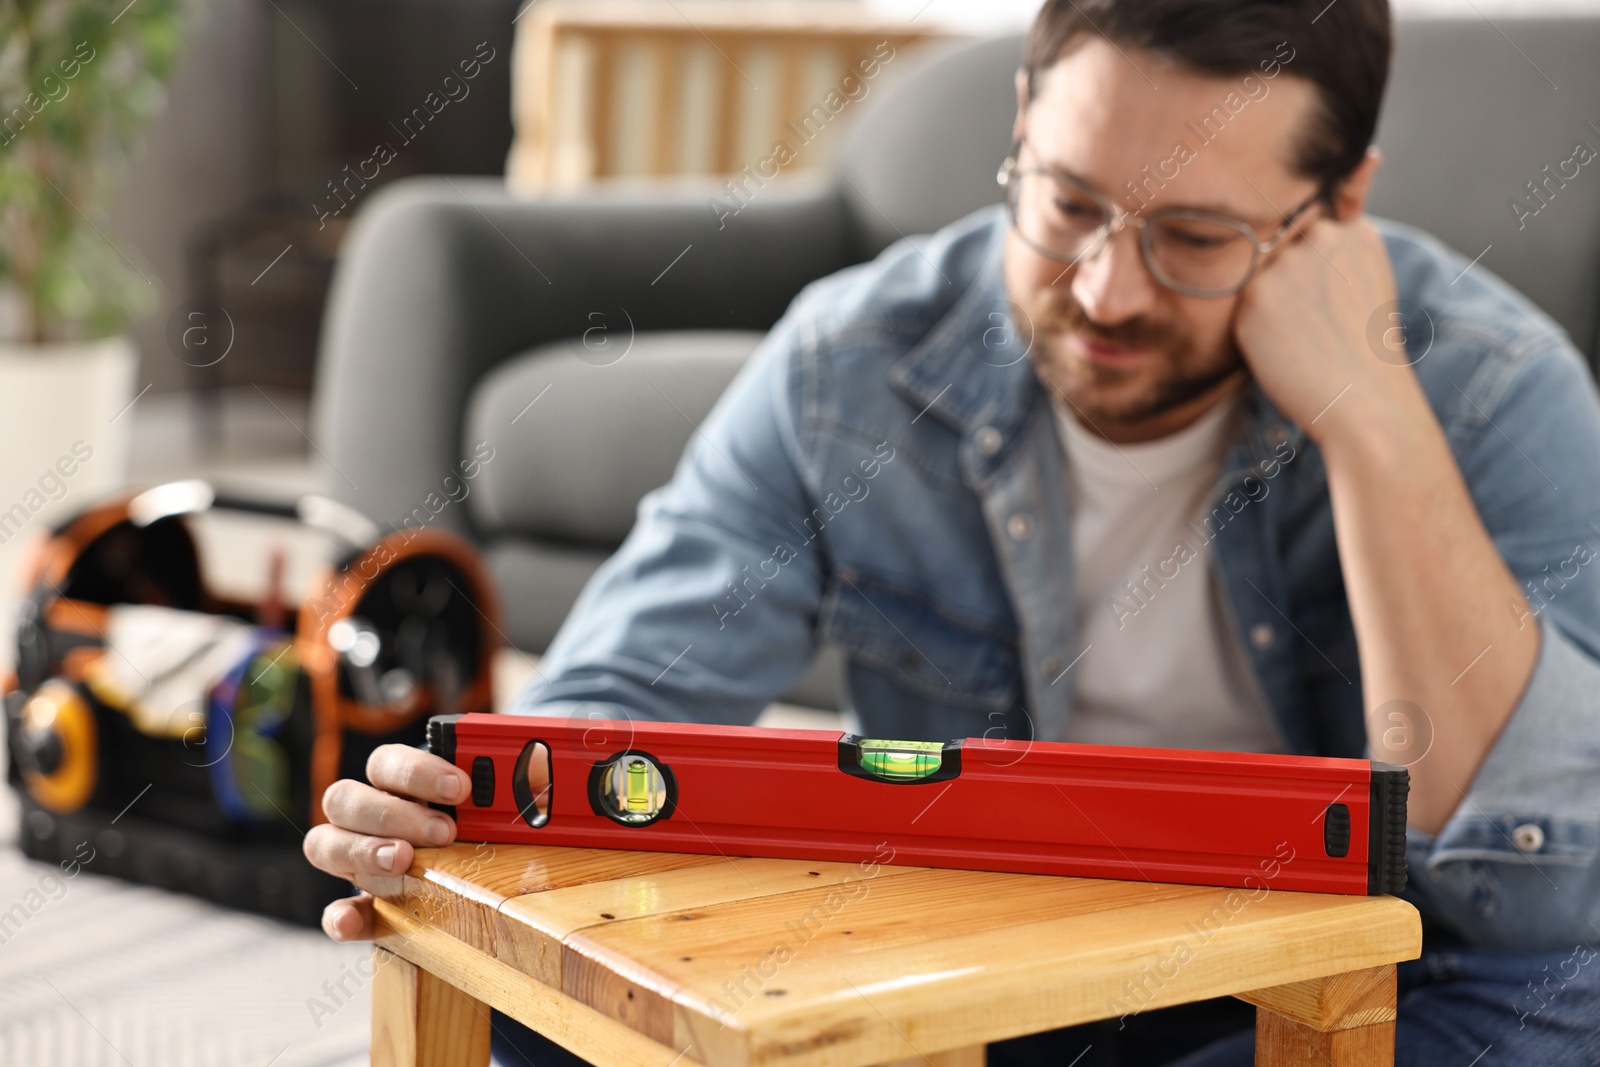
(918, 644)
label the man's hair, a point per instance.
(1341, 48)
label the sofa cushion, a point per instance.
(925, 153)
(1472, 119)
(582, 431)
(539, 581)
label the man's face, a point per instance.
(1136, 359)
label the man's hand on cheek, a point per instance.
(1303, 321)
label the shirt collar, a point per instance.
(971, 370)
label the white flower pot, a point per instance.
(63, 431)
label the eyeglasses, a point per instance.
(1194, 252)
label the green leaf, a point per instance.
(79, 82)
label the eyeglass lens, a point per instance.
(1064, 219)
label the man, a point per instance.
(1180, 448)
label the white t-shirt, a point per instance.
(1162, 665)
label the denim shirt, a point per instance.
(884, 475)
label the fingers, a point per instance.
(371, 829)
(414, 773)
(353, 805)
(346, 854)
(349, 918)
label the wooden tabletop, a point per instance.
(656, 958)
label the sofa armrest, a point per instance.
(442, 278)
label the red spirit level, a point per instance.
(1166, 815)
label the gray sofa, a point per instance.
(582, 337)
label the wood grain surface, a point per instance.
(747, 962)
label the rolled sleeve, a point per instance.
(1516, 865)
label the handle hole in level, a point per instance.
(531, 783)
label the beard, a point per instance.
(1122, 396)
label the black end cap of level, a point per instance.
(442, 736)
(442, 743)
(1386, 835)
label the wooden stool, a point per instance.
(658, 959)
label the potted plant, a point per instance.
(78, 80)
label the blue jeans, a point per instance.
(1458, 1007)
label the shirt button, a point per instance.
(1050, 667)
(1277, 435)
(1261, 635)
(1528, 837)
(1020, 526)
(987, 439)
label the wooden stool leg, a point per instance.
(1344, 1020)
(419, 1020)
(1283, 1042)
